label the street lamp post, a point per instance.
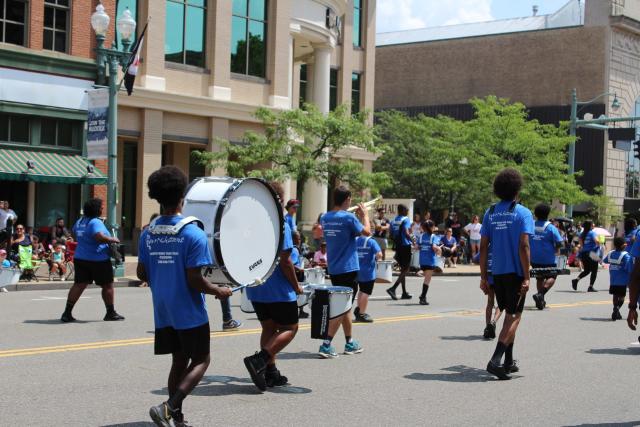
(109, 59)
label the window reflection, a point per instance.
(249, 37)
(185, 32)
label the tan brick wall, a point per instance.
(537, 68)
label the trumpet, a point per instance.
(367, 205)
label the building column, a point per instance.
(219, 50)
(31, 204)
(149, 160)
(281, 48)
(314, 196)
(152, 75)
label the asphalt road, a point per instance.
(421, 365)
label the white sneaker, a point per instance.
(4, 290)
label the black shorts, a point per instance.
(403, 256)
(282, 313)
(619, 291)
(507, 289)
(366, 287)
(191, 342)
(100, 272)
(427, 267)
(349, 280)
(535, 265)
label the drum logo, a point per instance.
(255, 264)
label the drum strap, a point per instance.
(619, 260)
(543, 227)
(512, 207)
(366, 241)
(174, 229)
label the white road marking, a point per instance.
(44, 298)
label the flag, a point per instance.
(134, 62)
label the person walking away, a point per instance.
(429, 250)
(381, 230)
(473, 230)
(340, 231)
(92, 261)
(545, 245)
(369, 252)
(403, 239)
(173, 269)
(506, 227)
(588, 255)
(276, 307)
(290, 217)
(620, 268)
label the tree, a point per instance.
(604, 210)
(435, 159)
(302, 145)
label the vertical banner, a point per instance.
(97, 124)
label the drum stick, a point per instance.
(256, 282)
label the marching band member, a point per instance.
(620, 267)
(545, 245)
(506, 227)
(428, 253)
(277, 310)
(401, 233)
(368, 253)
(589, 256)
(173, 269)
(340, 231)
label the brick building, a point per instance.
(593, 46)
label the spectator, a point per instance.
(381, 227)
(320, 257)
(416, 230)
(316, 233)
(38, 248)
(3, 259)
(454, 224)
(19, 239)
(3, 216)
(59, 232)
(473, 230)
(449, 248)
(58, 264)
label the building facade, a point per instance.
(591, 46)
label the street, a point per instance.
(421, 365)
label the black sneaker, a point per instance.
(498, 370)
(257, 366)
(423, 301)
(574, 284)
(539, 299)
(392, 294)
(303, 315)
(67, 317)
(591, 289)
(161, 415)
(178, 419)
(616, 314)
(112, 317)
(275, 379)
(512, 368)
(406, 295)
(363, 318)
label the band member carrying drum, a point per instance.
(172, 265)
(340, 231)
(277, 310)
(368, 253)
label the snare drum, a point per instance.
(561, 262)
(339, 298)
(314, 275)
(305, 296)
(384, 272)
(244, 225)
(415, 259)
(439, 264)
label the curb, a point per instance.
(62, 285)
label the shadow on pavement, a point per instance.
(629, 351)
(462, 338)
(299, 355)
(459, 374)
(597, 319)
(629, 424)
(134, 424)
(57, 321)
(221, 385)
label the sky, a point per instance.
(396, 15)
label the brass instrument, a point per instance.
(367, 205)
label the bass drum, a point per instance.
(244, 225)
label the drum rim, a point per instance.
(236, 183)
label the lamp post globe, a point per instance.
(615, 104)
(100, 21)
(126, 25)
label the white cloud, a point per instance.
(394, 15)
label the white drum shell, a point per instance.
(439, 264)
(384, 272)
(314, 275)
(339, 299)
(246, 306)
(415, 259)
(305, 296)
(561, 262)
(9, 276)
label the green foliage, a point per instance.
(604, 210)
(302, 145)
(433, 159)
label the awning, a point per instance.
(48, 167)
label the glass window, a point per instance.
(19, 129)
(185, 32)
(121, 6)
(13, 23)
(4, 128)
(61, 133)
(56, 25)
(249, 37)
(303, 84)
(48, 132)
(333, 89)
(355, 92)
(357, 23)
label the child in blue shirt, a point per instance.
(429, 251)
(620, 267)
(545, 244)
(589, 255)
(369, 252)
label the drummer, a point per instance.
(381, 230)
(368, 253)
(276, 307)
(340, 230)
(545, 245)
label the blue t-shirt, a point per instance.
(296, 259)
(427, 254)
(635, 249)
(620, 267)
(503, 228)
(543, 243)
(398, 225)
(340, 230)
(290, 219)
(630, 237)
(368, 248)
(89, 249)
(448, 242)
(277, 288)
(590, 242)
(166, 259)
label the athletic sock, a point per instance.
(175, 401)
(110, 308)
(497, 355)
(508, 355)
(348, 338)
(327, 342)
(265, 355)
(544, 291)
(425, 289)
(69, 307)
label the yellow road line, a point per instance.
(149, 340)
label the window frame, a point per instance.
(302, 86)
(186, 4)
(247, 21)
(360, 26)
(358, 91)
(9, 118)
(53, 4)
(334, 89)
(25, 24)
